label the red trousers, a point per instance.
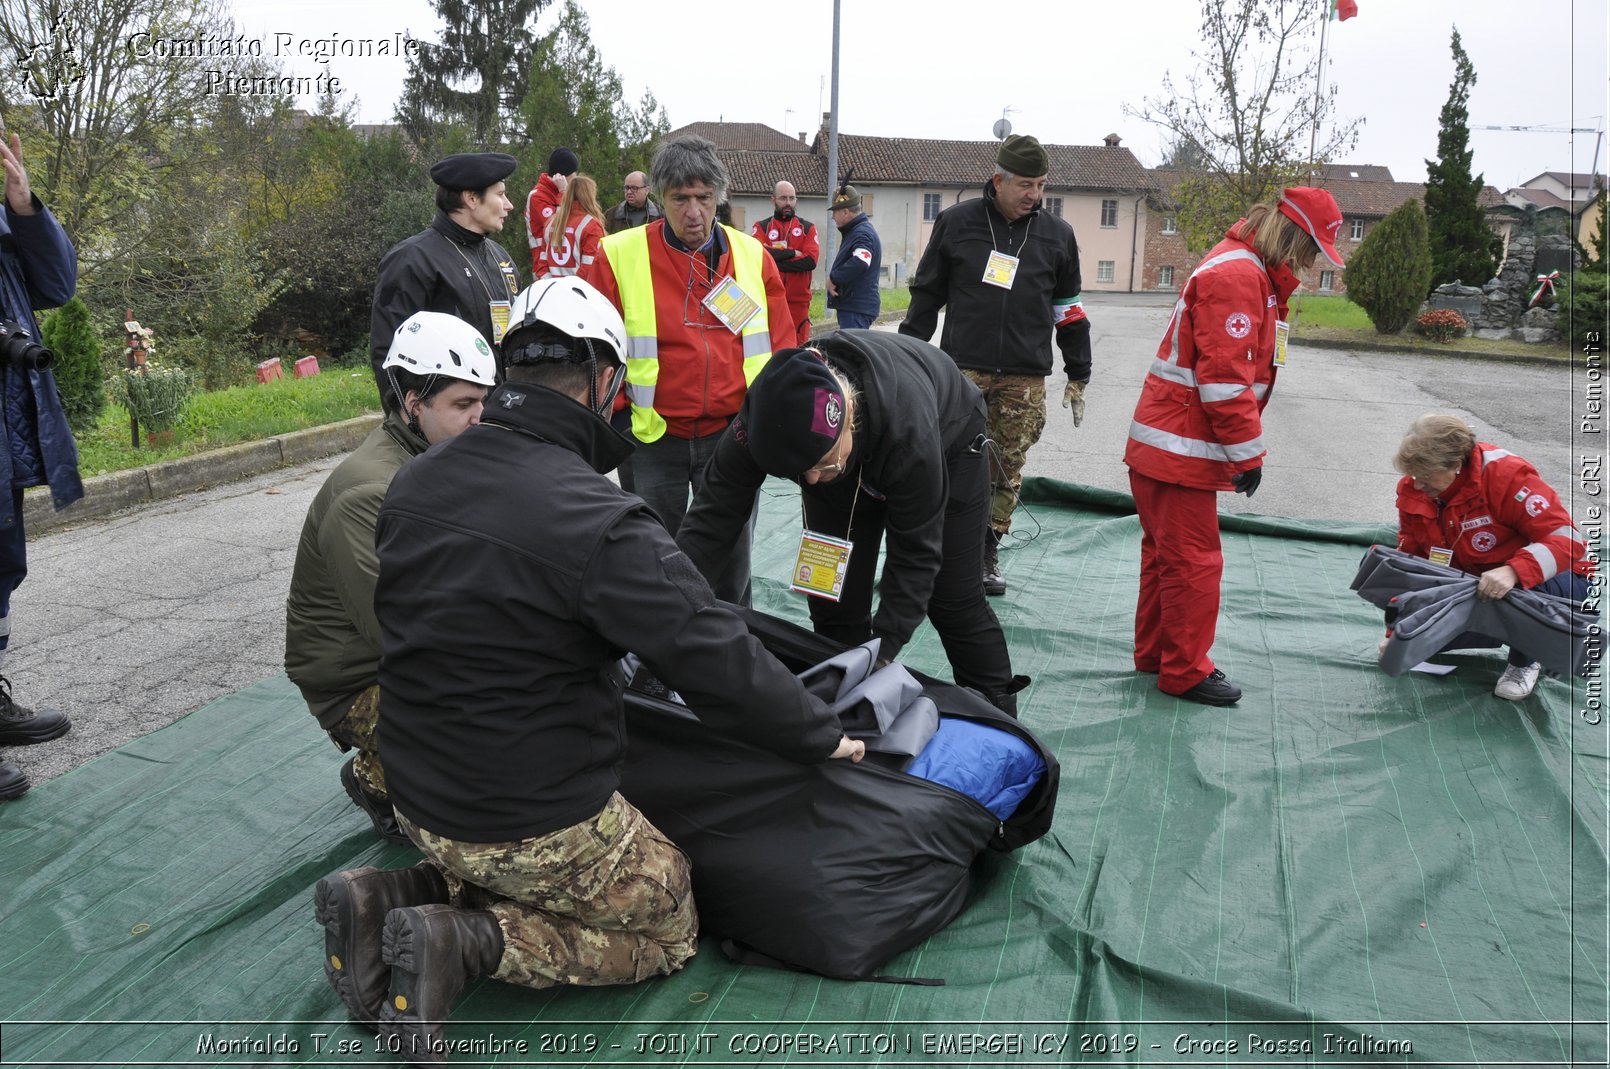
(1181, 564)
(802, 323)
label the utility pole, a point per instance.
(831, 232)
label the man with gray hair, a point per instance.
(1007, 275)
(705, 308)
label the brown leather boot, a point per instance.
(433, 952)
(352, 908)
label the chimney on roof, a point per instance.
(1111, 140)
(827, 117)
(802, 138)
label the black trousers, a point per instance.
(966, 624)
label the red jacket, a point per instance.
(799, 235)
(583, 232)
(539, 208)
(701, 381)
(1497, 511)
(1200, 416)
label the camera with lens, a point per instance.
(18, 348)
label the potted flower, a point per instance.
(155, 395)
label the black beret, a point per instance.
(792, 415)
(473, 170)
(1022, 155)
(563, 161)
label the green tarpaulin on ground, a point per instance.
(1345, 868)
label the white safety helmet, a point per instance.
(571, 307)
(566, 319)
(435, 343)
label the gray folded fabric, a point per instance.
(1436, 604)
(886, 708)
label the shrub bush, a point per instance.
(70, 334)
(1390, 273)
(1441, 324)
(154, 394)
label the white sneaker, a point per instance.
(1517, 682)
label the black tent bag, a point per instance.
(832, 868)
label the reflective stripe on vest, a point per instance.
(628, 252)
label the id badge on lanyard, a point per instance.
(1441, 555)
(1000, 269)
(729, 303)
(1282, 335)
(820, 566)
(500, 320)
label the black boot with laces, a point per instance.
(22, 726)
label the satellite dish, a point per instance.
(1002, 128)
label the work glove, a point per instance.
(1073, 397)
(1246, 482)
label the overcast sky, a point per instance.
(947, 69)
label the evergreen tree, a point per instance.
(80, 380)
(1389, 274)
(1463, 246)
(1585, 298)
(486, 49)
(576, 100)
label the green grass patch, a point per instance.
(228, 417)
(1334, 318)
(1310, 310)
(892, 300)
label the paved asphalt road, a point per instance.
(131, 622)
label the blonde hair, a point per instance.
(583, 189)
(1435, 443)
(1277, 239)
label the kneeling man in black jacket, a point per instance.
(513, 576)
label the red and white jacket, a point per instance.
(539, 208)
(1497, 511)
(797, 234)
(578, 250)
(1199, 419)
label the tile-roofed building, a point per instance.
(906, 182)
(1568, 195)
(755, 136)
(1355, 172)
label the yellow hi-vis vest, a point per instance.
(628, 253)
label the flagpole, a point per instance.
(1319, 85)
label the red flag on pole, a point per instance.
(1342, 10)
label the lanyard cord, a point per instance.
(476, 271)
(849, 527)
(991, 224)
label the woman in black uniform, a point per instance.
(885, 438)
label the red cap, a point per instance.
(1316, 212)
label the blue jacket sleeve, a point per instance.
(849, 268)
(49, 262)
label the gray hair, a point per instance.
(685, 161)
(1436, 442)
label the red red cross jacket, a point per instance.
(800, 236)
(1199, 420)
(1497, 511)
(539, 209)
(579, 248)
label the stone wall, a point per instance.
(1504, 298)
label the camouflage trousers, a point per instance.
(358, 729)
(1016, 418)
(605, 901)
